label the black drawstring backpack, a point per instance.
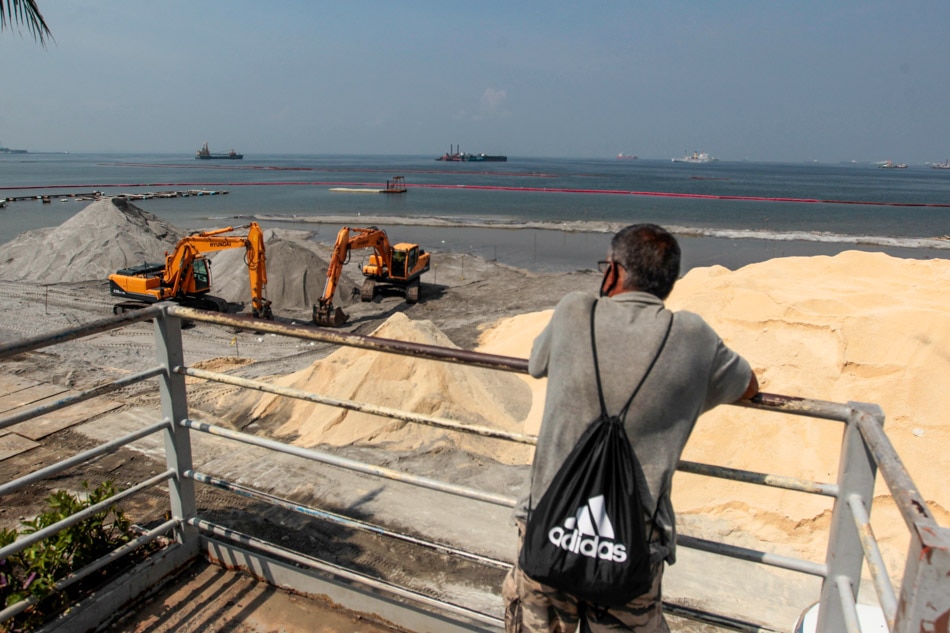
(587, 536)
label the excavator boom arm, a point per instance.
(349, 239)
(178, 265)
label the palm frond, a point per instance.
(24, 12)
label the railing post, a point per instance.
(174, 401)
(925, 591)
(845, 557)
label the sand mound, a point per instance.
(463, 394)
(859, 326)
(106, 235)
(296, 273)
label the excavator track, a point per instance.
(368, 290)
(412, 291)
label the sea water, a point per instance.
(564, 210)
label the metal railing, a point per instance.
(922, 602)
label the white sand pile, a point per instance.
(860, 327)
(463, 394)
(296, 273)
(107, 235)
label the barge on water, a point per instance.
(458, 156)
(205, 154)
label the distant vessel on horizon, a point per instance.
(696, 157)
(622, 156)
(457, 156)
(888, 164)
(944, 165)
(205, 154)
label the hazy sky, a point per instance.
(790, 80)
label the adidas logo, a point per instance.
(589, 533)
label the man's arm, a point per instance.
(752, 389)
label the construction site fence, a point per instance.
(921, 604)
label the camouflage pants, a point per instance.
(531, 607)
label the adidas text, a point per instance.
(590, 546)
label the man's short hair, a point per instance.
(651, 257)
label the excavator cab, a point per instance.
(201, 277)
(398, 270)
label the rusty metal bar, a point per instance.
(342, 462)
(352, 405)
(69, 334)
(79, 458)
(234, 536)
(62, 403)
(911, 503)
(326, 335)
(30, 539)
(763, 479)
(798, 406)
(339, 519)
(752, 555)
(872, 555)
(765, 401)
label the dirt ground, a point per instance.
(461, 296)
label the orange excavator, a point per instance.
(185, 277)
(391, 265)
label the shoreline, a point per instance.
(546, 248)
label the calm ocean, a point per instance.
(730, 213)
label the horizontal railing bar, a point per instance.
(103, 449)
(753, 556)
(62, 403)
(352, 405)
(349, 464)
(368, 581)
(31, 539)
(326, 335)
(764, 479)
(68, 334)
(872, 554)
(94, 566)
(849, 609)
(911, 503)
(720, 621)
(339, 519)
(765, 401)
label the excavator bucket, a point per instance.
(328, 316)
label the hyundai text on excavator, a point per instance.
(185, 277)
(394, 265)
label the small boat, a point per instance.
(944, 165)
(396, 185)
(696, 157)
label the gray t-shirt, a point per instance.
(694, 373)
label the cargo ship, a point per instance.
(457, 156)
(205, 154)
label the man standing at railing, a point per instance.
(685, 370)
